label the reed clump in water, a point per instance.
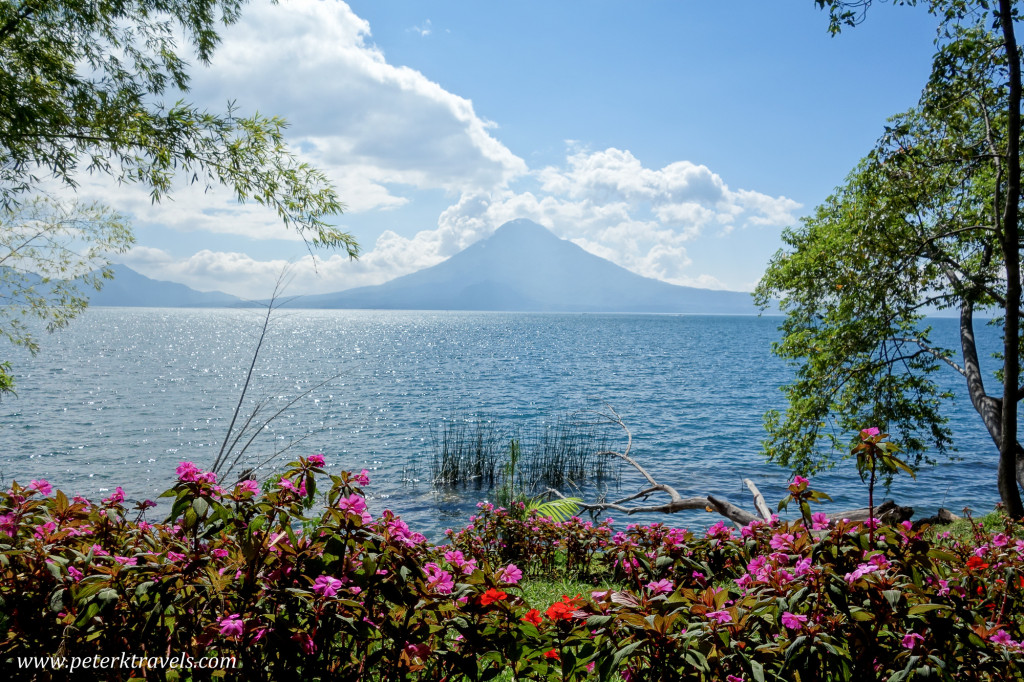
(475, 451)
(466, 452)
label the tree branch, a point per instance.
(931, 351)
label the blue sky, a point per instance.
(675, 138)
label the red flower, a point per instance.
(562, 610)
(976, 562)
(533, 617)
(492, 595)
(551, 654)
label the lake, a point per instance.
(124, 395)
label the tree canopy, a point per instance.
(928, 220)
(97, 87)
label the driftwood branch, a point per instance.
(676, 502)
(759, 503)
(888, 512)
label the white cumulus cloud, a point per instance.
(607, 202)
(367, 122)
(383, 131)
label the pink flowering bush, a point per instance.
(300, 582)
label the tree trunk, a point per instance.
(1007, 472)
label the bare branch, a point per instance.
(223, 453)
(759, 503)
(931, 351)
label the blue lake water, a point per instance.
(125, 394)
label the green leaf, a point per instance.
(943, 555)
(757, 671)
(57, 600)
(107, 595)
(200, 506)
(624, 652)
(925, 608)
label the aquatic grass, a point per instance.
(566, 453)
(476, 451)
(466, 451)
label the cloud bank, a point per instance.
(383, 132)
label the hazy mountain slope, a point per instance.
(523, 266)
(129, 288)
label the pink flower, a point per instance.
(305, 642)
(793, 621)
(420, 651)
(286, 484)
(819, 521)
(355, 504)
(663, 586)
(439, 580)
(362, 478)
(720, 530)
(231, 626)
(911, 639)
(116, 498)
(1003, 638)
(782, 541)
(75, 574)
(867, 434)
(42, 486)
(860, 572)
(42, 531)
(733, 678)
(7, 525)
(187, 472)
(510, 575)
(720, 616)
(326, 586)
(799, 480)
(248, 486)
(316, 460)
(399, 530)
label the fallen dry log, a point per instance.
(942, 518)
(887, 512)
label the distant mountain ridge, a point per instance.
(525, 267)
(130, 289)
